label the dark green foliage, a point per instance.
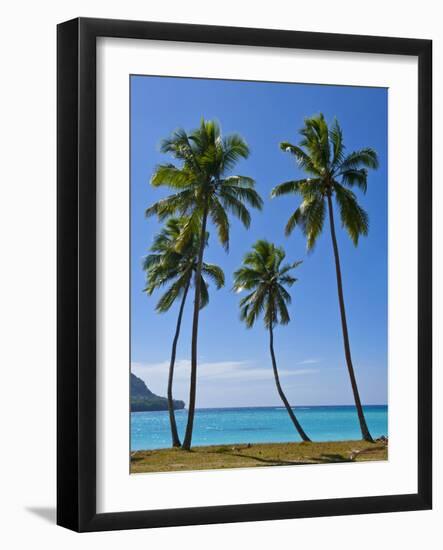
(264, 276)
(204, 190)
(154, 403)
(202, 181)
(173, 261)
(142, 399)
(321, 155)
(139, 388)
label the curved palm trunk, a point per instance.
(361, 417)
(280, 390)
(193, 384)
(174, 432)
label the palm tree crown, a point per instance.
(265, 276)
(168, 265)
(202, 181)
(321, 155)
(264, 273)
(204, 190)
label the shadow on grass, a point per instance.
(267, 461)
(326, 457)
(138, 458)
(247, 456)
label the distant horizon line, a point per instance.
(274, 407)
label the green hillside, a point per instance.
(142, 399)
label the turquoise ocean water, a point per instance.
(150, 430)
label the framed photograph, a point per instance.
(244, 274)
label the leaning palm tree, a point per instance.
(265, 276)
(332, 173)
(167, 265)
(203, 189)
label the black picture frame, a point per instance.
(76, 282)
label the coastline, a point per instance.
(255, 455)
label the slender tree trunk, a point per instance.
(193, 385)
(174, 432)
(361, 417)
(280, 390)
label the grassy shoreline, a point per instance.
(257, 454)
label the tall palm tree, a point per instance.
(265, 277)
(203, 189)
(167, 265)
(332, 173)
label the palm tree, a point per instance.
(168, 265)
(321, 155)
(265, 277)
(203, 189)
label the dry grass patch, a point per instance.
(260, 454)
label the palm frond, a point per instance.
(336, 139)
(203, 181)
(173, 292)
(165, 263)
(354, 219)
(312, 219)
(281, 308)
(246, 278)
(270, 316)
(303, 160)
(205, 135)
(321, 152)
(316, 141)
(242, 194)
(286, 268)
(258, 257)
(220, 220)
(171, 176)
(180, 203)
(287, 279)
(364, 158)
(253, 305)
(234, 148)
(204, 293)
(289, 187)
(189, 231)
(355, 177)
(234, 205)
(150, 261)
(181, 148)
(239, 181)
(159, 276)
(282, 290)
(293, 221)
(215, 273)
(264, 275)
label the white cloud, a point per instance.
(310, 361)
(220, 383)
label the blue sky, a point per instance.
(234, 363)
